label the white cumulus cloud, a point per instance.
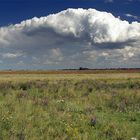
(59, 36)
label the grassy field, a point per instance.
(103, 106)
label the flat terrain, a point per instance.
(64, 106)
(24, 75)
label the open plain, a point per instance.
(64, 106)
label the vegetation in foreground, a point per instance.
(70, 109)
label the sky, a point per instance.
(63, 34)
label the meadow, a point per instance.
(97, 106)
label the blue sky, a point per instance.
(13, 11)
(63, 50)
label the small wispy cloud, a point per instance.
(11, 55)
(132, 16)
(109, 1)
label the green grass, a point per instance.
(61, 108)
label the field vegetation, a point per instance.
(70, 107)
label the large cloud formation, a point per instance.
(79, 37)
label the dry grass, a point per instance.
(28, 77)
(71, 71)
